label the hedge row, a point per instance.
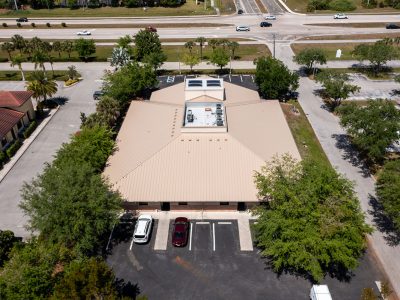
(13, 148)
(30, 129)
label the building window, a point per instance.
(224, 203)
(182, 203)
(143, 203)
(3, 142)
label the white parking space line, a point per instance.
(241, 78)
(225, 223)
(202, 223)
(213, 236)
(190, 236)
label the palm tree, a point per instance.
(213, 43)
(28, 50)
(72, 72)
(39, 58)
(201, 40)
(17, 61)
(189, 45)
(8, 47)
(41, 87)
(36, 44)
(68, 47)
(19, 42)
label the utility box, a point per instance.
(320, 292)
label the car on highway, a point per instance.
(242, 28)
(151, 29)
(392, 26)
(142, 230)
(180, 232)
(269, 17)
(340, 16)
(97, 95)
(240, 11)
(265, 24)
(84, 32)
(22, 19)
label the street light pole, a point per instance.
(273, 37)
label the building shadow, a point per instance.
(383, 223)
(351, 154)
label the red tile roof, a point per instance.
(8, 119)
(14, 98)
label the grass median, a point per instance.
(352, 36)
(16, 75)
(301, 6)
(330, 49)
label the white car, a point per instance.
(340, 16)
(242, 28)
(269, 17)
(84, 32)
(142, 229)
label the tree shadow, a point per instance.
(395, 92)
(351, 154)
(60, 100)
(303, 71)
(383, 222)
(127, 289)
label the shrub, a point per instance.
(19, 25)
(381, 4)
(63, 24)
(30, 129)
(3, 158)
(342, 5)
(317, 5)
(48, 25)
(5, 25)
(13, 148)
(71, 82)
(33, 24)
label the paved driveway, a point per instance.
(212, 266)
(65, 122)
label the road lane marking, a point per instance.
(202, 223)
(190, 238)
(213, 236)
(225, 223)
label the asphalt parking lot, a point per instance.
(244, 80)
(211, 266)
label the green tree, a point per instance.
(7, 242)
(190, 45)
(373, 127)
(190, 60)
(85, 48)
(155, 60)
(18, 42)
(39, 58)
(146, 42)
(129, 82)
(57, 46)
(201, 42)
(388, 191)
(377, 54)
(107, 113)
(68, 46)
(336, 86)
(41, 86)
(310, 56)
(29, 272)
(70, 204)
(213, 43)
(119, 57)
(312, 222)
(232, 46)
(125, 42)
(274, 79)
(17, 61)
(86, 279)
(8, 47)
(219, 57)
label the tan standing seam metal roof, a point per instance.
(156, 162)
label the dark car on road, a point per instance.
(181, 232)
(151, 29)
(22, 20)
(265, 24)
(392, 26)
(240, 11)
(97, 95)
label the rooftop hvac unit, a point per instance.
(219, 111)
(220, 123)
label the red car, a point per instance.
(181, 232)
(151, 29)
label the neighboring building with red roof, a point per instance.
(16, 112)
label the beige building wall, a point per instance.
(26, 108)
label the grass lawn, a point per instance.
(16, 75)
(330, 49)
(13, 25)
(304, 136)
(353, 36)
(244, 52)
(301, 6)
(188, 9)
(353, 25)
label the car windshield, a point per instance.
(179, 234)
(139, 236)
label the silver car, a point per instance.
(142, 229)
(269, 17)
(242, 28)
